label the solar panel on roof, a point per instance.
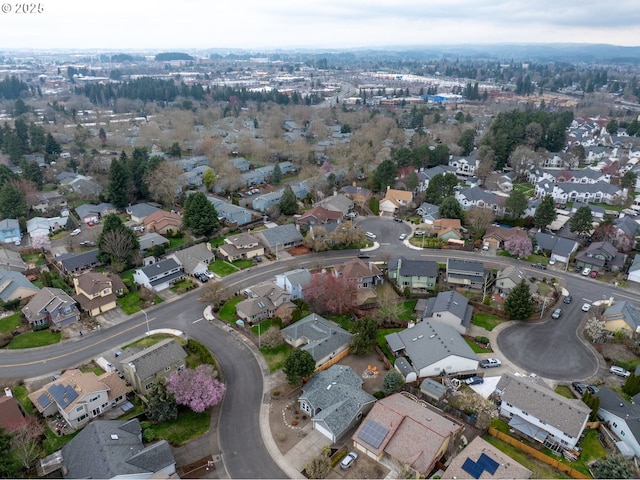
(487, 463)
(44, 400)
(373, 433)
(484, 464)
(472, 468)
(63, 394)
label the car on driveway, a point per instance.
(539, 265)
(593, 274)
(586, 307)
(474, 380)
(619, 371)
(557, 313)
(577, 269)
(402, 236)
(579, 387)
(77, 231)
(490, 363)
(567, 299)
(592, 389)
(348, 460)
(586, 271)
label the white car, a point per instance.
(619, 371)
(552, 261)
(370, 235)
(586, 272)
(209, 274)
(490, 363)
(402, 236)
(348, 460)
(77, 231)
(586, 307)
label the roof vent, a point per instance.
(432, 336)
(114, 436)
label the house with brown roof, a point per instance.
(162, 221)
(394, 199)
(359, 273)
(79, 397)
(406, 432)
(51, 305)
(359, 195)
(447, 228)
(319, 216)
(242, 245)
(496, 235)
(97, 292)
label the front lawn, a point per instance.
(487, 321)
(222, 268)
(564, 391)
(34, 339)
(475, 347)
(11, 322)
(186, 427)
(525, 188)
(263, 326)
(243, 263)
(176, 242)
(131, 302)
(228, 311)
(275, 357)
(148, 341)
(182, 286)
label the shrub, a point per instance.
(37, 328)
(148, 435)
(484, 340)
(203, 352)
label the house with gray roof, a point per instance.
(472, 197)
(465, 273)
(264, 299)
(449, 308)
(335, 401)
(538, 413)
(322, 338)
(282, 237)
(294, 282)
(51, 306)
(267, 200)
(559, 247)
(75, 263)
(232, 214)
(94, 213)
(623, 419)
(633, 275)
(429, 212)
(194, 259)
(116, 450)
(138, 211)
(511, 276)
(160, 275)
(10, 231)
(241, 164)
(426, 175)
(597, 211)
(150, 240)
(418, 275)
(622, 315)
(430, 348)
(148, 366)
(11, 260)
(41, 226)
(336, 203)
(241, 245)
(188, 164)
(599, 192)
(601, 257)
(254, 177)
(14, 286)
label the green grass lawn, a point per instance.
(343, 320)
(149, 341)
(263, 326)
(20, 393)
(11, 322)
(243, 263)
(127, 277)
(182, 285)
(382, 343)
(35, 258)
(525, 188)
(130, 303)
(187, 426)
(53, 443)
(275, 357)
(564, 391)
(487, 321)
(34, 339)
(228, 311)
(475, 347)
(176, 242)
(223, 268)
(407, 310)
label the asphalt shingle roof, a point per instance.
(323, 336)
(280, 235)
(153, 359)
(414, 268)
(11, 281)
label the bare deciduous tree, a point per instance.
(163, 182)
(521, 159)
(215, 293)
(26, 441)
(120, 246)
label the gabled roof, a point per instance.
(357, 269)
(299, 276)
(451, 302)
(625, 310)
(627, 412)
(87, 209)
(338, 203)
(190, 257)
(141, 210)
(151, 239)
(73, 261)
(11, 417)
(471, 266)
(9, 224)
(321, 214)
(321, 335)
(414, 268)
(114, 448)
(11, 281)
(160, 267)
(398, 195)
(539, 401)
(49, 299)
(161, 219)
(627, 224)
(154, 359)
(280, 235)
(558, 245)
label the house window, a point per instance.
(148, 386)
(94, 399)
(79, 409)
(622, 433)
(166, 369)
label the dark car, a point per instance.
(593, 389)
(363, 255)
(539, 265)
(567, 299)
(474, 381)
(579, 387)
(577, 269)
(397, 219)
(257, 259)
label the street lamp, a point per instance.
(147, 320)
(543, 306)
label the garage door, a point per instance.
(323, 430)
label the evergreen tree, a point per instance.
(466, 141)
(631, 385)
(162, 405)
(276, 176)
(288, 203)
(200, 216)
(298, 365)
(138, 168)
(31, 171)
(384, 175)
(174, 150)
(516, 204)
(120, 184)
(613, 466)
(51, 146)
(545, 213)
(628, 180)
(117, 243)
(392, 382)
(441, 187)
(364, 336)
(102, 135)
(582, 221)
(450, 208)
(7, 462)
(12, 201)
(519, 304)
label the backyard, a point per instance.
(187, 426)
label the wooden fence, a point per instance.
(557, 464)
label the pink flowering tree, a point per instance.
(41, 242)
(197, 389)
(518, 245)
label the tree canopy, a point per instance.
(441, 187)
(519, 304)
(298, 365)
(582, 221)
(288, 202)
(364, 336)
(545, 213)
(515, 204)
(200, 216)
(450, 208)
(196, 388)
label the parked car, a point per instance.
(370, 235)
(557, 313)
(474, 380)
(579, 387)
(258, 259)
(586, 307)
(586, 271)
(539, 265)
(485, 247)
(88, 243)
(348, 460)
(397, 219)
(490, 363)
(209, 274)
(567, 299)
(138, 228)
(77, 231)
(619, 371)
(577, 269)
(593, 274)
(90, 224)
(592, 389)
(402, 236)
(552, 261)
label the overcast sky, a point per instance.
(290, 24)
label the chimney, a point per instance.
(353, 184)
(371, 266)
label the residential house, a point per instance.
(597, 211)
(12, 417)
(480, 459)
(116, 450)
(152, 239)
(160, 275)
(505, 182)
(81, 185)
(14, 286)
(539, 414)
(191, 163)
(449, 308)
(622, 315)
(600, 257)
(429, 212)
(241, 164)
(94, 213)
(232, 214)
(634, 270)
(447, 228)
(360, 274)
(139, 211)
(10, 231)
(359, 195)
(623, 419)
(148, 366)
(11, 260)
(418, 275)
(51, 306)
(282, 237)
(600, 192)
(265, 201)
(496, 235)
(294, 282)
(394, 199)
(472, 197)
(323, 339)
(627, 226)
(407, 433)
(263, 301)
(46, 201)
(335, 401)
(319, 216)
(194, 259)
(42, 227)
(465, 166)
(426, 175)
(465, 273)
(74, 263)
(430, 348)
(254, 177)
(96, 292)
(79, 397)
(242, 245)
(511, 276)
(162, 222)
(557, 247)
(336, 203)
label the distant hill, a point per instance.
(169, 56)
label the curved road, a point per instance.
(551, 348)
